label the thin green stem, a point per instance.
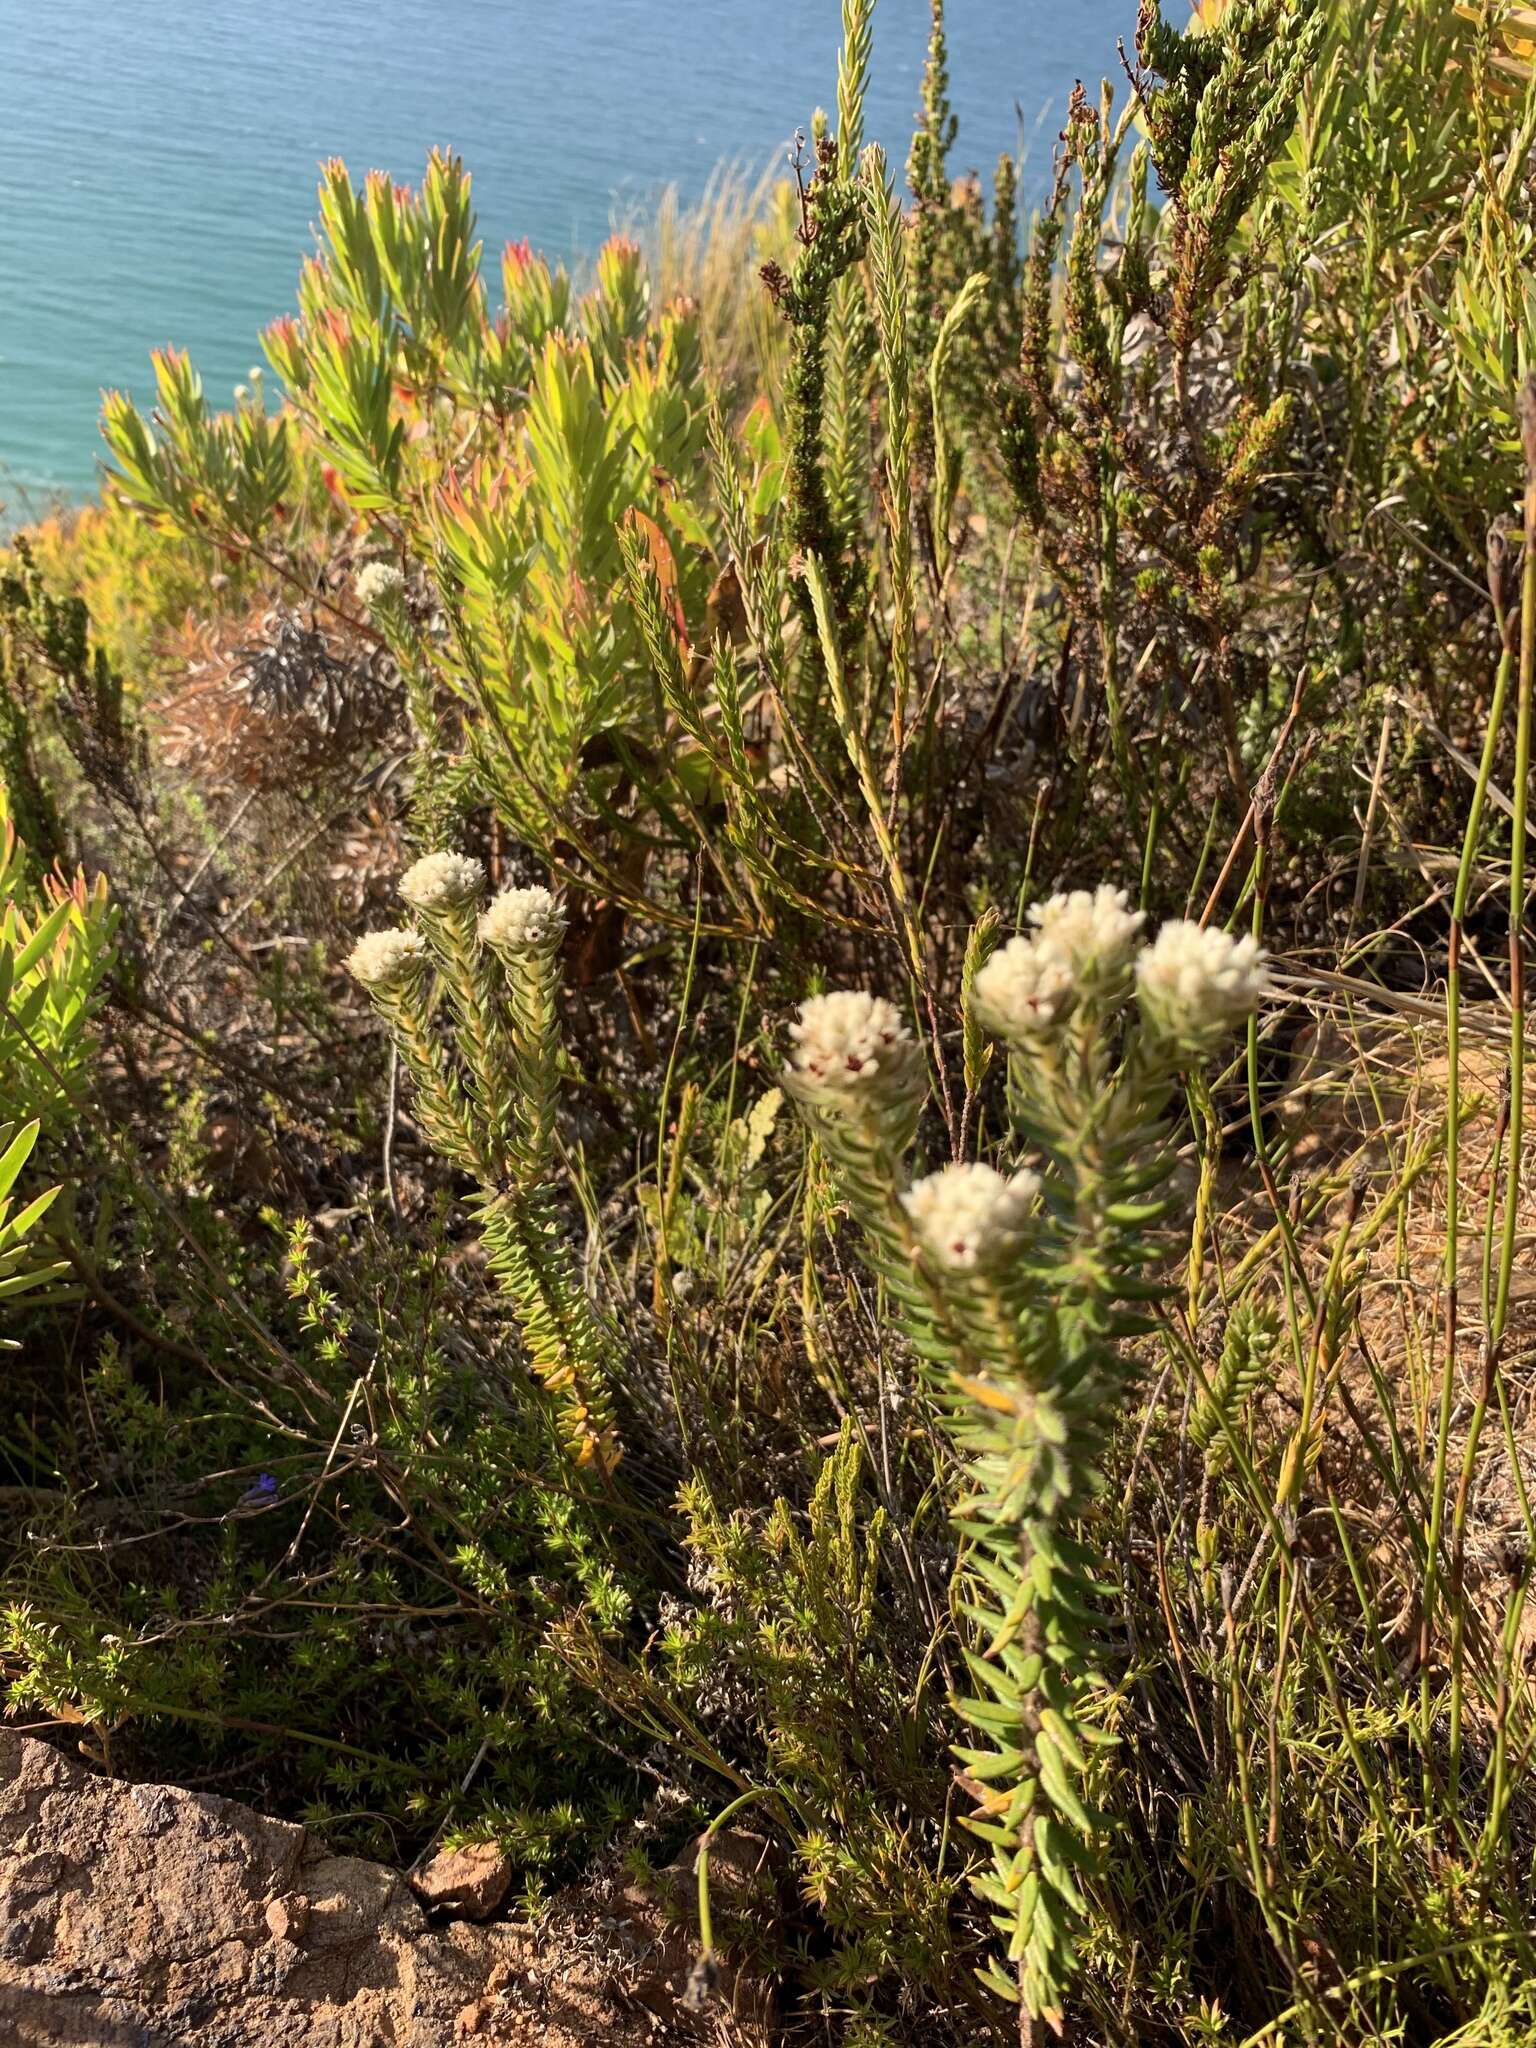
(1439, 1482)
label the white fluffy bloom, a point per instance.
(442, 881)
(521, 917)
(382, 958)
(1024, 989)
(376, 581)
(1195, 985)
(971, 1216)
(1083, 939)
(845, 1040)
(1092, 931)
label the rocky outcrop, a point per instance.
(140, 1916)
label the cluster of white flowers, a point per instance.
(1082, 938)
(442, 881)
(385, 959)
(1023, 990)
(971, 1216)
(850, 1041)
(521, 917)
(1194, 985)
(1093, 931)
(377, 581)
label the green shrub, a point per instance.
(55, 948)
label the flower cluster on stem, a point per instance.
(379, 585)
(488, 1105)
(1023, 1292)
(971, 1218)
(1083, 945)
(1195, 985)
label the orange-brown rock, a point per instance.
(140, 1916)
(469, 1882)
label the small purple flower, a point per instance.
(261, 1494)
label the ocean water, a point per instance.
(158, 157)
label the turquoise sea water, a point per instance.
(158, 157)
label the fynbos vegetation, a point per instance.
(794, 1088)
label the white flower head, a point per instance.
(969, 1217)
(851, 1041)
(1024, 990)
(387, 959)
(1092, 931)
(521, 917)
(442, 881)
(1195, 985)
(376, 581)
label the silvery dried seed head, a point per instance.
(521, 917)
(971, 1216)
(387, 959)
(1024, 991)
(376, 581)
(851, 1043)
(442, 881)
(1092, 931)
(1195, 985)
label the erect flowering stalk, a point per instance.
(395, 968)
(1024, 1294)
(858, 1078)
(500, 968)
(522, 930)
(446, 890)
(384, 594)
(832, 241)
(857, 1075)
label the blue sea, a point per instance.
(158, 157)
